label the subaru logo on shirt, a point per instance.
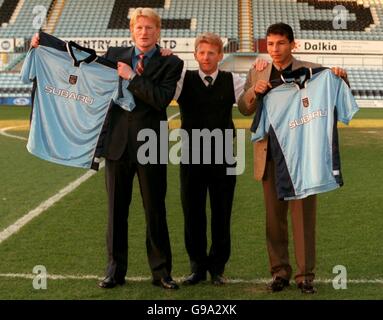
(72, 79)
(69, 95)
(306, 118)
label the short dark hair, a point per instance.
(282, 29)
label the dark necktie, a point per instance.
(140, 64)
(210, 80)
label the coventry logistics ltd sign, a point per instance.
(102, 44)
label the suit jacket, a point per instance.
(152, 92)
(248, 103)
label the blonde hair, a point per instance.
(145, 12)
(210, 38)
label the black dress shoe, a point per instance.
(278, 284)
(166, 283)
(217, 279)
(194, 278)
(307, 286)
(111, 282)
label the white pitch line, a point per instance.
(4, 133)
(49, 276)
(72, 186)
(142, 279)
(15, 227)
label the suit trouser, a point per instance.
(303, 214)
(196, 181)
(119, 176)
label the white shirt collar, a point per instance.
(203, 75)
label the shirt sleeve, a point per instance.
(345, 103)
(239, 84)
(28, 71)
(180, 84)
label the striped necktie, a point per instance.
(140, 64)
(209, 79)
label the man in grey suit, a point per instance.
(280, 43)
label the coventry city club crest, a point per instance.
(305, 102)
(72, 79)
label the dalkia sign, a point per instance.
(338, 46)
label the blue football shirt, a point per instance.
(73, 90)
(300, 118)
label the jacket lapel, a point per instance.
(154, 61)
(261, 75)
(127, 56)
(296, 64)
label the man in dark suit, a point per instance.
(206, 97)
(152, 80)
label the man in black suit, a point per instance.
(206, 97)
(152, 79)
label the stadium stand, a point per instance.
(11, 86)
(16, 58)
(363, 16)
(366, 83)
(7, 8)
(183, 18)
(310, 19)
(22, 27)
(313, 19)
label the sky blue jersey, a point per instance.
(300, 116)
(72, 92)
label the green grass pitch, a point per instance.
(69, 237)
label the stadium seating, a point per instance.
(23, 26)
(310, 19)
(15, 59)
(313, 19)
(366, 83)
(183, 18)
(11, 85)
(7, 8)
